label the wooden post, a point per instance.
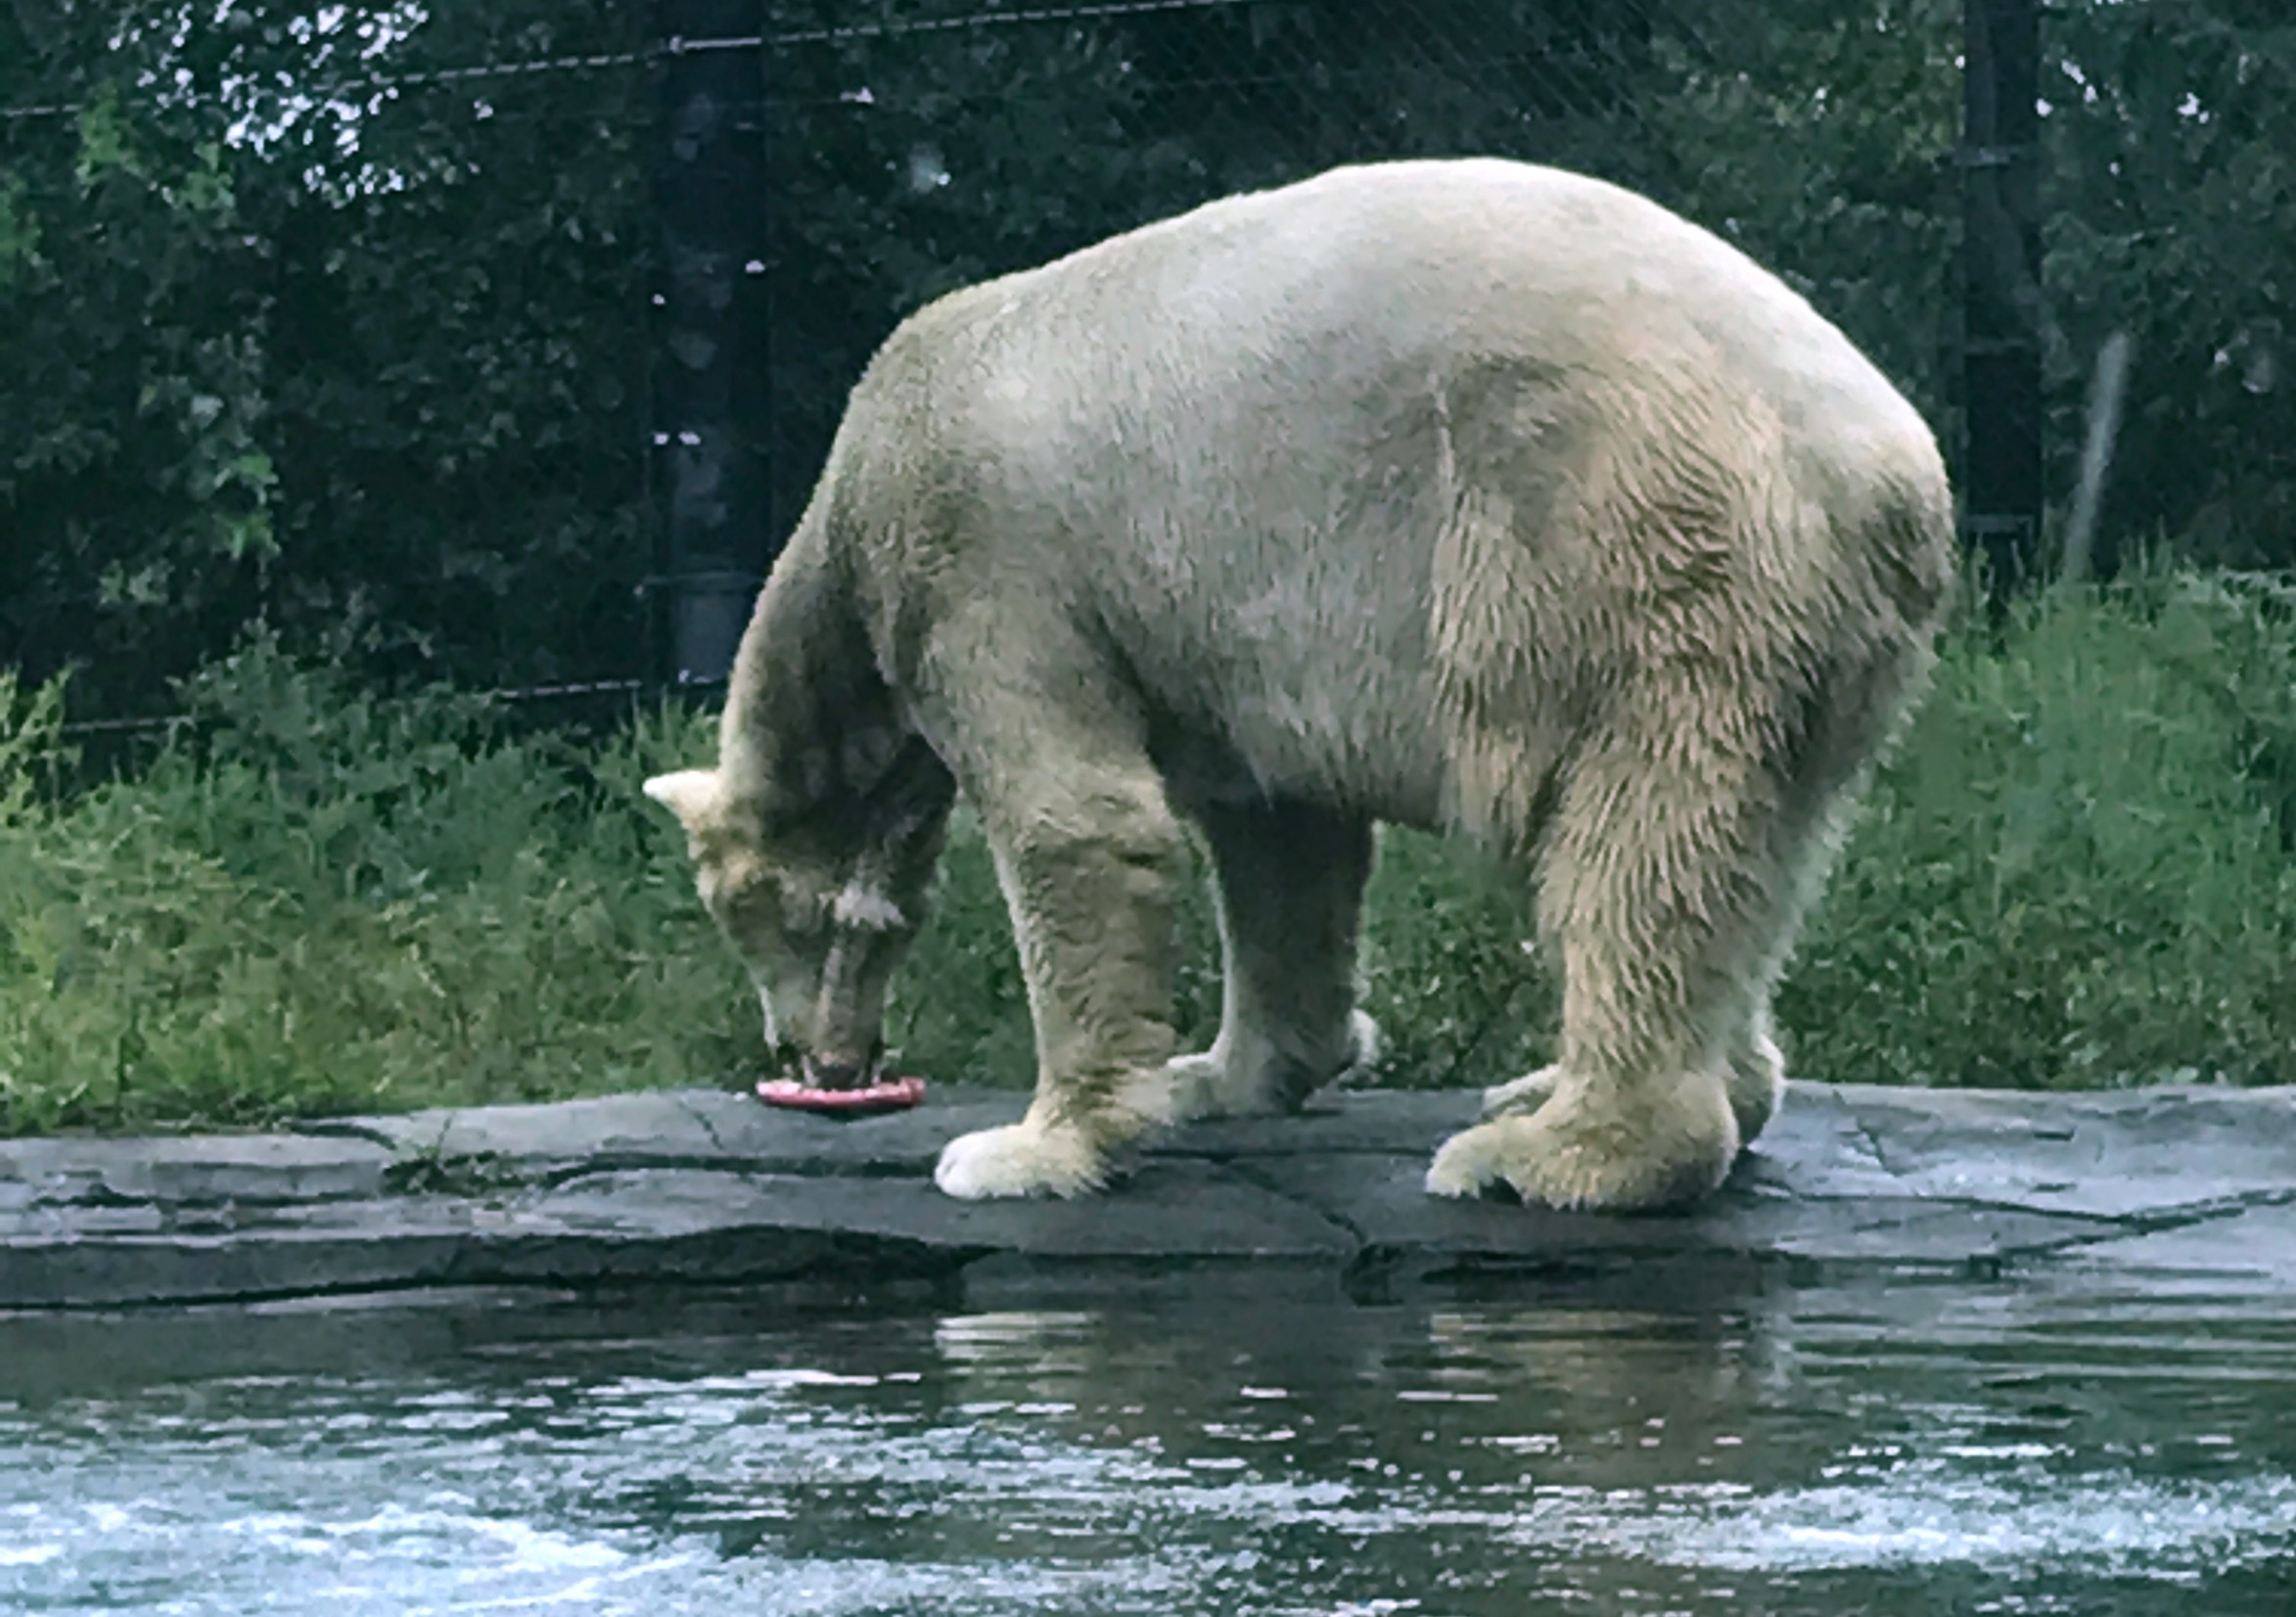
(708, 394)
(2001, 484)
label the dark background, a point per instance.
(345, 323)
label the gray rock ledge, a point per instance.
(707, 1190)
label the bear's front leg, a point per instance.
(1088, 878)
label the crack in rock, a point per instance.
(701, 1121)
(1336, 1219)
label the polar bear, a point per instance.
(1463, 494)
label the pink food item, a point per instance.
(886, 1094)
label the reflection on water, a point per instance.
(1914, 1450)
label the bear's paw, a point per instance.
(1020, 1160)
(1579, 1155)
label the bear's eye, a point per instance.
(742, 893)
(800, 909)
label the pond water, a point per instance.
(1893, 1449)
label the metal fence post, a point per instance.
(708, 399)
(2000, 156)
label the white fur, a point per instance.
(1649, 1146)
(1469, 495)
(689, 793)
(867, 910)
(1020, 1160)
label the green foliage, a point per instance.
(313, 902)
(1450, 969)
(31, 744)
(279, 342)
(959, 1009)
(2172, 174)
(2075, 872)
(268, 355)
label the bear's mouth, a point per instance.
(835, 1090)
(840, 1076)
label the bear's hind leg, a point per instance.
(1660, 884)
(1792, 831)
(1756, 1081)
(1289, 879)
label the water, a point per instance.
(1901, 1449)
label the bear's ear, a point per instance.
(689, 793)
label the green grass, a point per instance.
(316, 902)
(2078, 869)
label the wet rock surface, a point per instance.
(703, 1189)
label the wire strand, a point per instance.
(599, 61)
(154, 723)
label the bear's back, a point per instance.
(1296, 454)
(1410, 266)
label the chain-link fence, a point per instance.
(438, 337)
(920, 153)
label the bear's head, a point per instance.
(821, 904)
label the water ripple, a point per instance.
(1460, 1460)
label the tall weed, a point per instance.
(32, 743)
(2080, 869)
